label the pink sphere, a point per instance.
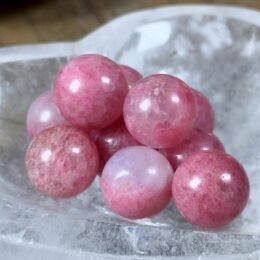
(197, 141)
(130, 74)
(210, 189)
(62, 161)
(90, 91)
(111, 139)
(205, 114)
(160, 111)
(136, 182)
(43, 113)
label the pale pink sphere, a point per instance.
(43, 113)
(197, 141)
(90, 91)
(111, 139)
(130, 74)
(210, 189)
(205, 114)
(62, 161)
(160, 111)
(136, 182)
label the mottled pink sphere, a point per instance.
(130, 74)
(136, 182)
(205, 114)
(210, 189)
(160, 111)
(62, 161)
(43, 113)
(111, 139)
(197, 141)
(90, 91)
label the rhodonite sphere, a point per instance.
(62, 161)
(210, 189)
(197, 141)
(160, 111)
(90, 91)
(130, 74)
(136, 182)
(43, 113)
(205, 119)
(111, 139)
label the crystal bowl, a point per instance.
(215, 49)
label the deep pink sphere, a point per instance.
(160, 111)
(90, 91)
(130, 74)
(210, 189)
(111, 139)
(205, 114)
(62, 161)
(43, 113)
(197, 141)
(136, 182)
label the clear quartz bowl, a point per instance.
(215, 49)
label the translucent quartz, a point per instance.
(62, 161)
(43, 113)
(90, 91)
(197, 141)
(111, 139)
(160, 111)
(205, 114)
(210, 189)
(130, 74)
(136, 182)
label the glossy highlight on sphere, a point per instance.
(205, 119)
(111, 139)
(62, 161)
(160, 111)
(210, 189)
(130, 74)
(136, 182)
(197, 141)
(43, 113)
(90, 91)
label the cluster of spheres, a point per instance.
(149, 140)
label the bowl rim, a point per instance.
(85, 44)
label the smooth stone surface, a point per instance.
(43, 113)
(210, 189)
(130, 74)
(90, 91)
(160, 111)
(111, 139)
(197, 141)
(62, 161)
(136, 182)
(205, 114)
